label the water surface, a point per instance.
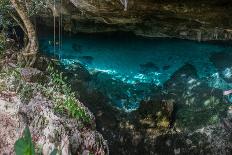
(132, 65)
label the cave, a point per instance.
(116, 77)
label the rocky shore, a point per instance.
(25, 101)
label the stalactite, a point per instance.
(54, 27)
(124, 3)
(60, 28)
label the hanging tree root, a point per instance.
(27, 59)
(30, 58)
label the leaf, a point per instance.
(24, 145)
(54, 152)
(21, 147)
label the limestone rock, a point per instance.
(171, 18)
(31, 74)
(51, 130)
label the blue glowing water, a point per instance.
(133, 60)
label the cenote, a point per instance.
(126, 68)
(116, 77)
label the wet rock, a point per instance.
(77, 71)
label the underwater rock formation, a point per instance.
(222, 61)
(180, 118)
(195, 20)
(197, 104)
(148, 67)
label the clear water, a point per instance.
(134, 64)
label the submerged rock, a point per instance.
(186, 75)
(148, 67)
(197, 104)
(166, 67)
(222, 62)
(169, 121)
(86, 59)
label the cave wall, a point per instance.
(188, 19)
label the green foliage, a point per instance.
(25, 93)
(4, 6)
(6, 9)
(24, 145)
(71, 106)
(56, 89)
(57, 80)
(67, 103)
(2, 43)
(35, 6)
(54, 152)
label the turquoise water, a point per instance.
(130, 66)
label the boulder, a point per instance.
(195, 108)
(77, 71)
(31, 74)
(51, 130)
(10, 127)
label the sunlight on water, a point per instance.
(134, 60)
